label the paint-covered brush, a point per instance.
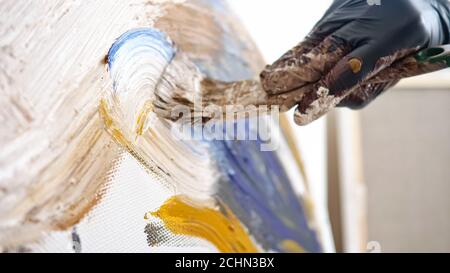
(295, 79)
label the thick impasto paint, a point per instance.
(80, 117)
(245, 189)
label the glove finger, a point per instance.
(300, 70)
(273, 77)
(364, 94)
(314, 104)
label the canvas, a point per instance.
(87, 166)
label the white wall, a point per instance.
(406, 136)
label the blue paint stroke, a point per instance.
(259, 192)
(151, 38)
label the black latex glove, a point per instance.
(370, 39)
(377, 31)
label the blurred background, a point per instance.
(381, 175)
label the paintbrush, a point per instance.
(184, 93)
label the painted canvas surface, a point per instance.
(87, 166)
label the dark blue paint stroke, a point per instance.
(264, 193)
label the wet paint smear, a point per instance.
(257, 209)
(182, 216)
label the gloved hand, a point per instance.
(353, 42)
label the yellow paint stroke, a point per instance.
(148, 107)
(121, 139)
(292, 246)
(111, 126)
(103, 110)
(181, 216)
